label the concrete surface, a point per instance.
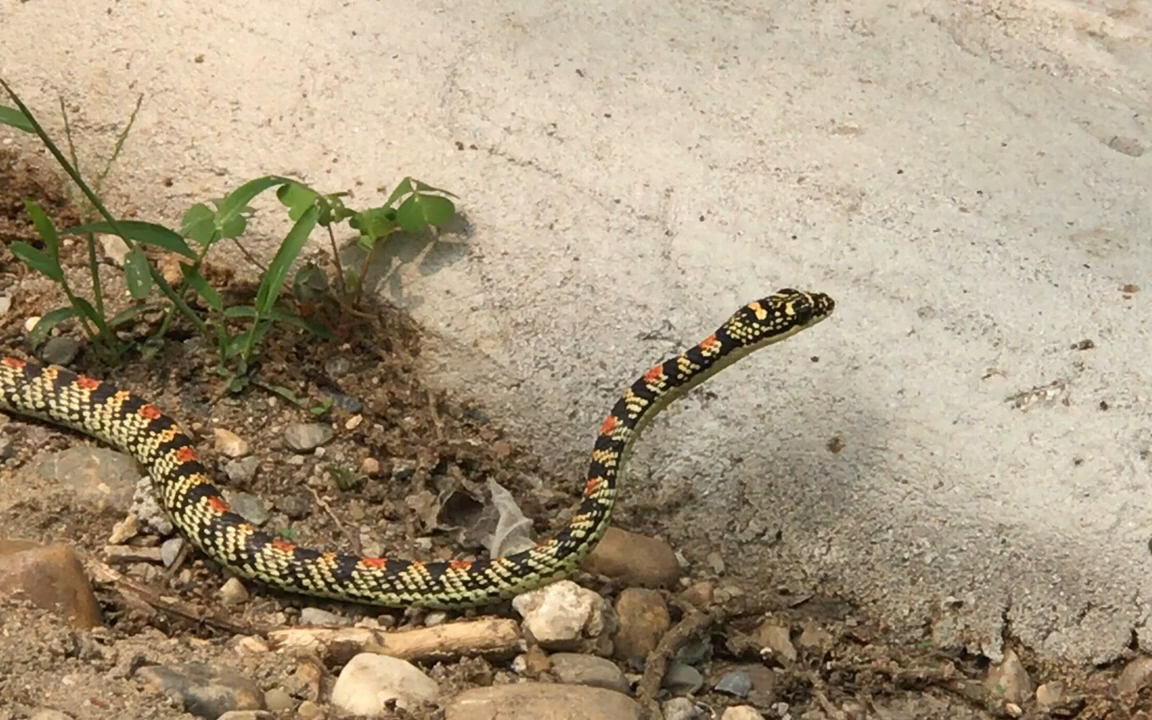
(968, 179)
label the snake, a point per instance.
(199, 510)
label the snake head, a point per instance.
(780, 315)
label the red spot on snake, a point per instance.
(709, 342)
(186, 454)
(373, 562)
(460, 564)
(149, 412)
(283, 545)
(653, 376)
(219, 505)
(14, 363)
(592, 486)
(87, 383)
(609, 425)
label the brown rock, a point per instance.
(699, 594)
(542, 701)
(643, 617)
(51, 577)
(638, 560)
(776, 638)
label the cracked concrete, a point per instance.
(968, 179)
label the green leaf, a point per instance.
(96, 318)
(198, 283)
(137, 273)
(273, 280)
(141, 232)
(310, 285)
(199, 224)
(229, 214)
(297, 198)
(240, 311)
(374, 223)
(401, 190)
(426, 188)
(44, 228)
(124, 316)
(14, 118)
(38, 260)
(420, 211)
(50, 320)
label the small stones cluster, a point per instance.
(571, 654)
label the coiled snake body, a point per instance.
(198, 509)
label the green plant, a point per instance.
(237, 330)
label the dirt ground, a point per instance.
(443, 452)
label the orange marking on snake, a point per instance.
(460, 564)
(149, 412)
(15, 363)
(592, 486)
(709, 342)
(86, 382)
(654, 375)
(218, 504)
(186, 454)
(373, 562)
(609, 425)
(283, 545)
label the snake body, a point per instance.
(198, 509)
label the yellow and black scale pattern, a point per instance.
(198, 509)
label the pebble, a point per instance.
(96, 477)
(370, 466)
(683, 679)
(148, 510)
(1135, 675)
(563, 615)
(699, 594)
(369, 683)
(1009, 680)
(815, 639)
(246, 715)
(741, 712)
(204, 690)
(31, 322)
(681, 708)
(230, 444)
(5, 304)
(60, 350)
(115, 248)
(170, 550)
(735, 683)
(346, 402)
(242, 470)
(309, 710)
(776, 640)
(303, 437)
(337, 366)
(578, 669)
(124, 530)
(49, 714)
(636, 560)
(249, 507)
(278, 701)
(536, 701)
(644, 618)
(296, 506)
(233, 592)
(1048, 694)
(50, 577)
(316, 616)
